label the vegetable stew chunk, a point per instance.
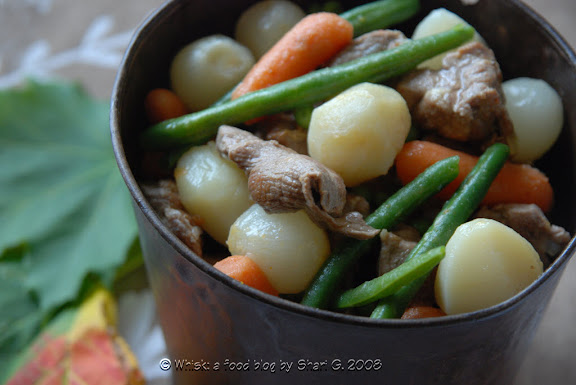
(213, 188)
(281, 180)
(464, 100)
(530, 222)
(289, 248)
(204, 70)
(359, 132)
(486, 263)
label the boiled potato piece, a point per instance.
(359, 132)
(439, 20)
(212, 187)
(208, 68)
(535, 109)
(288, 247)
(486, 263)
(264, 23)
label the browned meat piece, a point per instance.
(165, 200)
(530, 222)
(462, 101)
(393, 251)
(369, 43)
(357, 203)
(284, 130)
(395, 247)
(281, 180)
(294, 138)
(407, 232)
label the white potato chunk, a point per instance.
(359, 132)
(439, 20)
(288, 247)
(207, 69)
(535, 109)
(486, 263)
(264, 23)
(212, 187)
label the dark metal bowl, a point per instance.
(208, 317)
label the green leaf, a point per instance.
(62, 193)
(20, 317)
(16, 302)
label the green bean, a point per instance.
(394, 305)
(397, 207)
(388, 283)
(303, 116)
(199, 127)
(456, 211)
(380, 14)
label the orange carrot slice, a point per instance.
(516, 183)
(246, 271)
(162, 104)
(310, 43)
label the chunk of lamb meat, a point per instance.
(529, 221)
(357, 203)
(464, 100)
(369, 43)
(394, 248)
(164, 198)
(283, 129)
(281, 180)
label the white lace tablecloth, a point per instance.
(84, 40)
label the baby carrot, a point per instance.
(246, 271)
(162, 104)
(311, 42)
(516, 183)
